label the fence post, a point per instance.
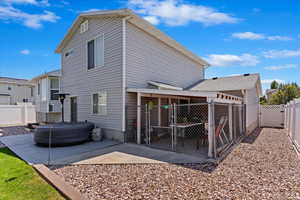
(241, 126)
(138, 120)
(230, 122)
(211, 131)
(175, 127)
(146, 124)
(293, 131)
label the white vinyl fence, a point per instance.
(20, 114)
(292, 121)
(272, 116)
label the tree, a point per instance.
(263, 100)
(285, 93)
(274, 85)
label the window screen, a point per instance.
(96, 52)
(100, 103)
(91, 54)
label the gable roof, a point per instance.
(136, 20)
(14, 81)
(54, 73)
(164, 85)
(229, 83)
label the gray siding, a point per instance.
(147, 58)
(82, 83)
(17, 92)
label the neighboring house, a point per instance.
(48, 107)
(114, 60)
(269, 93)
(13, 91)
(247, 86)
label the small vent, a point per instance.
(215, 78)
(246, 74)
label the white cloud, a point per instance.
(279, 67)
(281, 53)
(25, 52)
(278, 37)
(248, 36)
(9, 13)
(269, 81)
(224, 60)
(32, 2)
(152, 19)
(177, 13)
(259, 36)
(90, 10)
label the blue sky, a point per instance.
(236, 37)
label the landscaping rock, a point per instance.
(264, 166)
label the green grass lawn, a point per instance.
(20, 181)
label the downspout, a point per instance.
(124, 73)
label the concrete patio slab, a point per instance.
(138, 154)
(105, 152)
(24, 147)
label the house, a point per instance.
(13, 91)
(114, 63)
(246, 86)
(48, 107)
(269, 93)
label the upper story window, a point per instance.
(31, 91)
(68, 53)
(39, 89)
(84, 26)
(95, 52)
(54, 88)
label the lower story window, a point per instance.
(50, 107)
(54, 95)
(99, 101)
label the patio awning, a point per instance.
(218, 97)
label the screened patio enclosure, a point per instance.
(197, 123)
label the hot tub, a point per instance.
(63, 134)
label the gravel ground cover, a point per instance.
(12, 130)
(264, 166)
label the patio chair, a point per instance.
(219, 133)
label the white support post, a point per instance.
(240, 119)
(138, 121)
(211, 130)
(230, 122)
(159, 111)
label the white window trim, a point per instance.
(87, 54)
(50, 89)
(92, 103)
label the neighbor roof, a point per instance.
(54, 73)
(134, 19)
(229, 83)
(14, 81)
